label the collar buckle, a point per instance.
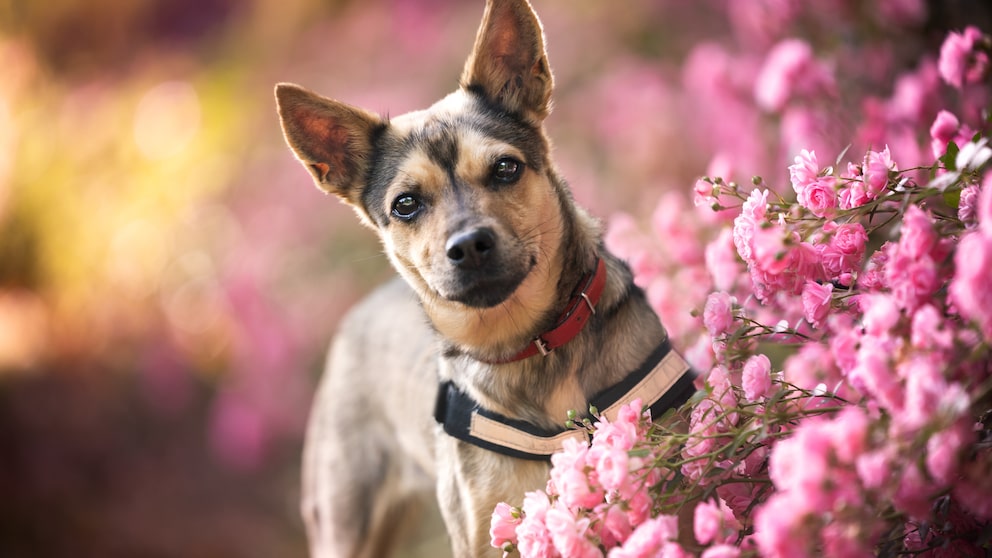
(542, 346)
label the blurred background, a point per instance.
(170, 277)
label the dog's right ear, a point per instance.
(332, 140)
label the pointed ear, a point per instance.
(508, 64)
(332, 140)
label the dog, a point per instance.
(456, 379)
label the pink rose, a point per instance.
(613, 468)
(568, 534)
(721, 261)
(876, 169)
(791, 71)
(503, 526)
(944, 451)
(714, 522)
(721, 551)
(718, 314)
(533, 538)
(874, 468)
(821, 197)
(969, 289)
(648, 538)
(854, 194)
(751, 217)
(968, 205)
(917, 237)
(983, 207)
(756, 378)
(962, 61)
(777, 528)
(804, 172)
(816, 302)
(771, 254)
(845, 251)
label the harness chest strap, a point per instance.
(663, 382)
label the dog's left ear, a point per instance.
(333, 140)
(508, 64)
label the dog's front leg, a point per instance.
(471, 481)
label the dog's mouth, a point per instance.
(486, 287)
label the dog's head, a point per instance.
(462, 194)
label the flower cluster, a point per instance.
(845, 325)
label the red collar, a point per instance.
(580, 308)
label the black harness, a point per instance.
(664, 381)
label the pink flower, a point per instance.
(533, 538)
(945, 129)
(616, 527)
(984, 205)
(846, 249)
(912, 280)
(914, 494)
(917, 237)
(969, 289)
(648, 538)
(718, 314)
(750, 219)
(776, 528)
(944, 451)
(791, 71)
(879, 313)
(844, 539)
(756, 377)
(613, 468)
(721, 551)
(821, 197)
(961, 60)
(714, 522)
(804, 172)
(929, 329)
(974, 490)
(853, 194)
(902, 12)
(811, 366)
(875, 376)
(721, 261)
(968, 205)
(571, 479)
(816, 302)
(503, 526)
(875, 171)
(800, 465)
(874, 468)
(569, 534)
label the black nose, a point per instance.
(470, 249)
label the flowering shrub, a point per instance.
(846, 327)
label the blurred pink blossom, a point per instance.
(791, 71)
(648, 538)
(969, 289)
(964, 57)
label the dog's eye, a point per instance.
(407, 207)
(507, 171)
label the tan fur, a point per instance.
(373, 450)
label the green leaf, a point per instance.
(949, 158)
(952, 197)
